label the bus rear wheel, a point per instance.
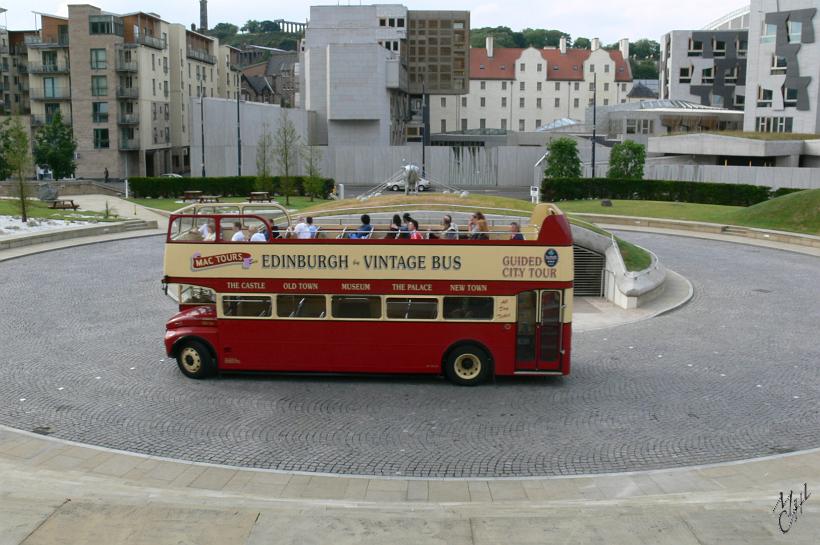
(468, 365)
(195, 360)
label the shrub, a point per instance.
(563, 160)
(226, 186)
(627, 160)
(655, 190)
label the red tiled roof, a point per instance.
(500, 66)
(570, 66)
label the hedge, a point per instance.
(225, 186)
(657, 190)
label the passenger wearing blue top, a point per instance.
(364, 229)
(515, 231)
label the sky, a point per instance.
(606, 19)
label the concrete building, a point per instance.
(707, 67)
(123, 82)
(784, 67)
(272, 81)
(523, 89)
(353, 69)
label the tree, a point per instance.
(252, 27)
(314, 185)
(19, 161)
(54, 146)
(626, 161)
(645, 50)
(5, 168)
(286, 144)
(269, 26)
(647, 69)
(223, 31)
(582, 43)
(563, 160)
(264, 153)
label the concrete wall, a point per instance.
(803, 178)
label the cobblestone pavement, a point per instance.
(731, 375)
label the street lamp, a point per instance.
(594, 117)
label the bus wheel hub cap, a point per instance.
(191, 360)
(467, 366)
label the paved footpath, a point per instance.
(54, 492)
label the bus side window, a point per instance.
(246, 306)
(412, 308)
(468, 308)
(300, 306)
(356, 306)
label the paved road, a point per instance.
(731, 375)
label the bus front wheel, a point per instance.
(195, 360)
(467, 365)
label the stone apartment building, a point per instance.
(14, 94)
(123, 82)
(522, 90)
(364, 69)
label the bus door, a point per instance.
(538, 335)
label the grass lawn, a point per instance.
(296, 203)
(40, 210)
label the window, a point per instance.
(365, 307)
(382, 21)
(731, 76)
(391, 22)
(764, 97)
(99, 86)
(576, 103)
(482, 123)
(521, 86)
(247, 306)
(795, 32)
(708, 75)
(468, 308)
(557, 102)
(483, 85)
(483, 102)
(463, 123)
(443, 125)
(300, 306)
(740, 100)
(606, 102)
(774, 124)
(742, 47)
(463, 102)
(538, 103)
(443, 102)
(719, 48)
(538, 67)
(99, 112)
(153, 62)
(639, 126)
(100, 138)
(167, 135)
(538, 86)
(606, 68)
(695, 48)
(577, 86)
(779, 64)
(591, 68)
(769, 33)
(49, 88)
(503, 102)
(521, 125)
(521, 66)
(591, 86)
(504, 124)
(789, 97)
(591, 101)
(154, 86)
(557, 85)
(606, 87)
(685, 75)
(98, 59)
(411, 308)
(400, 22)
(503, 85)
(194, 295)
(521, 102)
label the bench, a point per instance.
(191, 195)
(63, 204)
(260, 196)
(209, 198)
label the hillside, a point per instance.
(794, 212)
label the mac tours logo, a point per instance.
(200, 262)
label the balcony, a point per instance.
(129, 66)
(150, 41)
(50, 94)
(22, 69)
(46, 43)
(129, 144)
(201, 55)
(58, 68)
(4, 49)
(41, 120)
(128, 92)
(129, 119)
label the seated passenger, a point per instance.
(448, 231)
(312, 229)
(365, 229)
(479, 230)
(515, 231)
(415, 234)
(301, 229)
(404, 230)
(210, 232)
(239, 235)
(275, 232)
(259, 235)
(395, 227)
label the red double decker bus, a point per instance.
(463, 308)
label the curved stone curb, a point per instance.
(56, 235)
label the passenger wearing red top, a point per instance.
(415, 234)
